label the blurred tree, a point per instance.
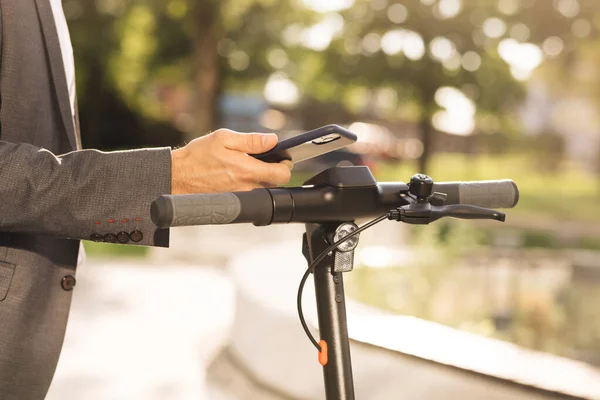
(151, 64)
(573, 86)
(114, 44)
(397, 55)
(207, 34)
(403, 53)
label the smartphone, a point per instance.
(309, 144)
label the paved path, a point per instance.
(146, 330)
(143, 332)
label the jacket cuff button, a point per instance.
(123, 237)
(68, 283)
(96, 238)
(136, 236)
(110, 238)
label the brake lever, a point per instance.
(463, 211)
(423, 213)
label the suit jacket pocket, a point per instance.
(7, 271)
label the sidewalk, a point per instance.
(142, 332)
(147, 330)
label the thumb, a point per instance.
(252, 143)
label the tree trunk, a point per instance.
(426, 131)
(207, 62)
(598, 171)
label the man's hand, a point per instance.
(219, 162)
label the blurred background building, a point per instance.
(459, 89)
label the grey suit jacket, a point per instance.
(52, 194)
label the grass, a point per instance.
(569, 194)
(553, 205)
(106, 250)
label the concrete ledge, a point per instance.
(393, 356)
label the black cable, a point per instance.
(320, 258)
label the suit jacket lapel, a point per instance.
(57, 68)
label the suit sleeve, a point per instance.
(85, 194)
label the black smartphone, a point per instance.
(309, 144)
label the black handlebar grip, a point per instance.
(489, 194)
(255, 206)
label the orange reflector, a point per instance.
(323, 353)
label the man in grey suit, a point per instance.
(53, 194)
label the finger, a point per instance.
(250, 143)
(277, 174)
(288, 164)
(274, 173)
(248, 187)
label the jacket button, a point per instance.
(68, 283)
(110, 238)
(136, 236)
(123, 237)
(96, 238)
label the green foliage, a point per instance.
(523, 298)
(129, 65)
(132, 49)
(130, 53)
(538, 239)
(567, 194)
(548, 197)
(411, 287)
(256, 28)
(423, 76)
(107, 250)
(583, 324)
(590, 243)
(177, 9)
